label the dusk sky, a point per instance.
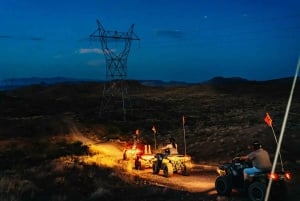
(180, 40)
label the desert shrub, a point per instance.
(18, 158)
(16, 189)
(78, 148)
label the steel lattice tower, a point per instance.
(116, 64)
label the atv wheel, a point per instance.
(282, 192)
(155, 167)
(223, 185)
(168, 169)
(257, 191)
(279, 190)
(186, 169)
(138, 164)
(125, 155)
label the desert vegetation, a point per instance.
(39, 160)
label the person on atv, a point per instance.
(135, 139)
(260, 161)
(171, 148)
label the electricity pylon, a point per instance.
(116, 65)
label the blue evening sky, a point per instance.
(182, 40)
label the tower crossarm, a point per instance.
(100, 32)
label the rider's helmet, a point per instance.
(256, 145)
(172, 140)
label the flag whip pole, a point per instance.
(154, 141)
(282, 169)
(183, 122)
(154, 135)
(283, 128)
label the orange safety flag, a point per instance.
(137, 131)
(153, 129)
(268, 120)
(183, 120)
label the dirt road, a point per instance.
(200, 181)
(110, 154)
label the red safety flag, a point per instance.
(268, 120)
(154, 129)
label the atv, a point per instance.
(143, 161)
(171, 163)
(131, 151)
(231, 177)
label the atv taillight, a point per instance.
(288, 175)
(273, 176)
(280, 176)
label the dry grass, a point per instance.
(221, 120)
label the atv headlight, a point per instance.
(221, 172)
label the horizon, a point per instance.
(154, 80)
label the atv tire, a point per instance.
(223, 185)
(155, 168)
(187, 167)
(138, 165)
(257, 191)
(168, 169)
(282, 192)
(125, 156)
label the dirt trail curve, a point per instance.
(112, 148)
(201, 180)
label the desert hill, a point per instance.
(222, 117)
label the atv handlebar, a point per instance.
(237, 159)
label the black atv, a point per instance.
(231, 177)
